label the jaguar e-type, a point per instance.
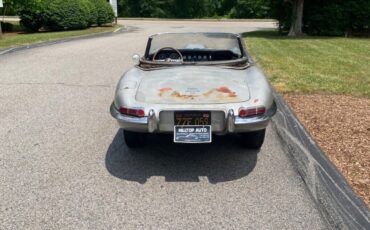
(194, 85)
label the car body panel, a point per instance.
(193, 85)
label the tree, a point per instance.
(250, 9)
(297, 17)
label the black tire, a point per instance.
(252, 140)
(134, 139)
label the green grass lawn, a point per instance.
(9, 40)
(313, 64)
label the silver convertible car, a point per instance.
(194, 85)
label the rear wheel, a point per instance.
(252, 140)
(134, 139)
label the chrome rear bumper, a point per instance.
(231, 124)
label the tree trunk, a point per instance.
(297, 18)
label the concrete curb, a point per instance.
(47, 43)
(335, 198)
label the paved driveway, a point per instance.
(64, 164)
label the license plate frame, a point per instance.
(192, 134)
(193, 118)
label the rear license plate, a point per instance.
(192, 134)
(192, 127)
(192, 118)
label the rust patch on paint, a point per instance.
(177, 94)
(208, 93)
(256, 100)
(222, 93)
(226, 90)
(219, 94)
(163, 91)
(223, 89)
(232, 94)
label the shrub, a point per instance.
(358, 14)
(336, 17)
(32, 15)
(324, 19)
(105, 12)
(93, 12)
(6, 26)
(67, 14)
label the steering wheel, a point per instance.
(181, 59)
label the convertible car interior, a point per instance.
(194, 49)
(190, 55)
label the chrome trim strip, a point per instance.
(129, 119)
(250, 120)
(230, 121)
(152, 122)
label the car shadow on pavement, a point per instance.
(221, 161)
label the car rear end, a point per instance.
(194, 102)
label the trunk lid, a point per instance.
(193, 85)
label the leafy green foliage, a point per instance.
(6, 26)
(187, 9)
(92, 12)
(194, 8)
(8, 8)
(11, 26)
(250, 9)
(143, 8)
(105, 12)
(331, 17)
(32, 14)
(281, 10)
(67, 14)
(61, 14)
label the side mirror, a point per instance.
(136, 59)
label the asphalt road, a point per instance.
(64, 164)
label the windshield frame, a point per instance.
(244, 57)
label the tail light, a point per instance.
(132, 112)
(249, 112)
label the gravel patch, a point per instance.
(341, 126)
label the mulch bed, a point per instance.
(341, 126)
